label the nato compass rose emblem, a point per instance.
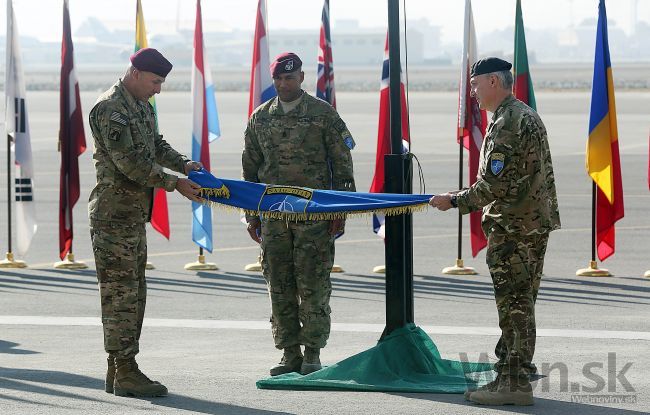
(285, 205)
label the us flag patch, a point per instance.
(119, 118)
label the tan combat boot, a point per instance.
(290, 362)
(311, 362)
(130, 381)
(492, 386)
(110, 374)
(511, 390)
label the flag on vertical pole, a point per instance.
(17, 127)
(523, 87)
(603, 161)
(205, 129)
(471, 122)
(383, 136)
(325, 82)
(261, 87)
(159, 212)
(72, 141)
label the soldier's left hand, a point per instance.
(441, 202)
(336, 227)
(192, 166)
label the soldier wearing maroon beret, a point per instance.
(130, 156)
(299, 140)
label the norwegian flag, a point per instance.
(72, 141)
(383, 136)
(261, 87)
(325, 82)
(471, 123)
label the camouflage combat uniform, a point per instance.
(516, 189)
(309, 147)
(129, 156)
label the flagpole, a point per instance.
(593, 270)
(9, 261)
(200, 264)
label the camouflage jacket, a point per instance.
(515, 184)
(129, 157)
(309, 146)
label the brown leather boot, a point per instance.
(130, 381)
(290, 362)
(110, 374)
(311, 362)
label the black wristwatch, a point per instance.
(454, 201)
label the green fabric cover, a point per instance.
(407, 360)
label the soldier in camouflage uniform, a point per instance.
(129, 157)
(516, 190)
(296, 139)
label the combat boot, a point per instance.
(130, 381)
(311, 362)
(492, 386)
(511, 390)
(290, 362)
(110, 374)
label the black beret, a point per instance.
(285, 63)
(489, 65)
(150, 60)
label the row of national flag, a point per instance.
(602, 155)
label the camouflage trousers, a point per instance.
(121, 256)
(516, 264)
(297, 258)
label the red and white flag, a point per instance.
(383, 135)
(72, 141)
(261, 87)
(471, 122)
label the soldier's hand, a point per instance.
(441, 202)
(189, 189)
(254, 229)
(336, 226)
(192, 165)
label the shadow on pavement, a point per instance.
(10, 348)
(37, 381)
(545, 406)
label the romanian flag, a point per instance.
(159, 213)
(603, 161)
(523, 87)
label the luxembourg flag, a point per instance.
(261, 87)
(205, 129)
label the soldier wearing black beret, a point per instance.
(515, 189)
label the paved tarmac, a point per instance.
(207, 334)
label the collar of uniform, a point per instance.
(130, 99)
(507, 101)
(301, 109)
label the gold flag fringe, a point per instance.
(301, 216)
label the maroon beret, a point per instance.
(150, 60)
(285, 63)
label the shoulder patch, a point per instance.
(339, 126)
(497, 163)
(119, 118)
